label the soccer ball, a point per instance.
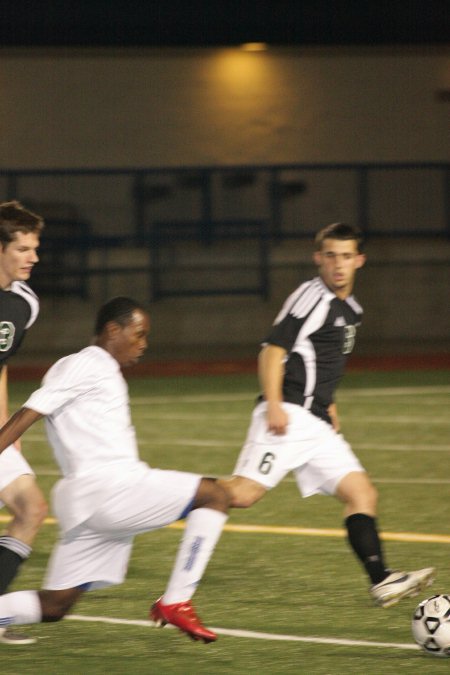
(431, 625)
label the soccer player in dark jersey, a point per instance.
(295, 426)
(19, 239)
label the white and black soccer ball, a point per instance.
(431, 625)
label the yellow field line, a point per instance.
(323, 532)
(302, 531)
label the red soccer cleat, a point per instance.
(183, 616)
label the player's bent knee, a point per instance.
(359, 494)
(244, 493)
(38, 511)
(32, 513)
(25, 501)
(244, 501)
(373, 493)
(369, 496)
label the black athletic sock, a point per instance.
(12, 554)
(364, 540)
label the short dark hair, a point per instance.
(341, 231)
(16, 218)
(119, 309)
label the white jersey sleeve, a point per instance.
(69, 378)
(88, 422)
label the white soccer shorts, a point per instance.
(97, 551)
(318, 457)
(12, 465)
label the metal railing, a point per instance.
(169, 209)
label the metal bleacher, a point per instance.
(63, 252)
(212, 230)
(180, 246)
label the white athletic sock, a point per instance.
(203, 529)
(20, 607)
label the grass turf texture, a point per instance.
(273, 583)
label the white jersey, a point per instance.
(85, 400)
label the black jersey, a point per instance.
(317, 330)
(19, 308)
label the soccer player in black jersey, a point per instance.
(295, 426)
(19, 239)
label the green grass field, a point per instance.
(292, 601)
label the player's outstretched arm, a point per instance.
(17, 425)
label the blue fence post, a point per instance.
(363, 199)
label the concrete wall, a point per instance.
(150, 108)
(66, 108)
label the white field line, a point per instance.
(401, 447)
(395, 391)
(398, 481)
(253, 635)
(229, 444)
(194, 442)
(414, 537)
(347, 419)
(403, 419)
(251, 396)
(392, 447)
(370, 419)
(192, 417)
(394, 481)
(413, 481)
(192, 398)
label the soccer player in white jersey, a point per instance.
(295, 426)
(107, 495)
(20, 230)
